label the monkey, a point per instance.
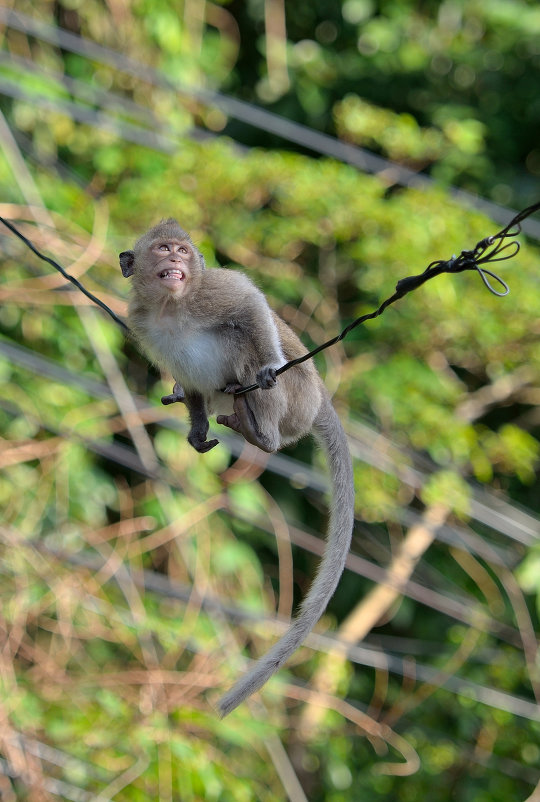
(213, 330)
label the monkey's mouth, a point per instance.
(172, 274)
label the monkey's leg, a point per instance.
(177, 394)
(244, 422)
(199, 423)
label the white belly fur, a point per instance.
(196, 360)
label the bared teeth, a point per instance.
(172, 272)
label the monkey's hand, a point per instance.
(232, 387)
(177, 394)
(266, 377)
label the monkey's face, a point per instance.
(173, 263)
(164, 263)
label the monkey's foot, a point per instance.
(243, 421)
(177, 394)
(201, 445)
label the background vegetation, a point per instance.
(137, 577)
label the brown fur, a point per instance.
(213, 330)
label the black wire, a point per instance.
(65, 274)
(487, 250)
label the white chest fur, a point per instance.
(194, 356)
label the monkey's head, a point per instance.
(164, 261)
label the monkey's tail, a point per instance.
(329, 432)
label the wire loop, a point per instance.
(489, 249)
(483, 272)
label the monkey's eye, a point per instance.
(183, 249)
(163, 247)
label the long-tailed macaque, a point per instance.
(213, 331)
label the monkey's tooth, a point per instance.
(171, 273)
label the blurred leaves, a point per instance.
(137, 577)
(448, 488)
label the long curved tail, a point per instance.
(329, 433)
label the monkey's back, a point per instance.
(301, 384)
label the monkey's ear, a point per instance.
(201, 258)
(127, 258)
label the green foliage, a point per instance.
(529, 574)
(448, 488)
(135, 573)
(398, 135)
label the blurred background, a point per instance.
(327, 149)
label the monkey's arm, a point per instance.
(254, 339)
(260, 345)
